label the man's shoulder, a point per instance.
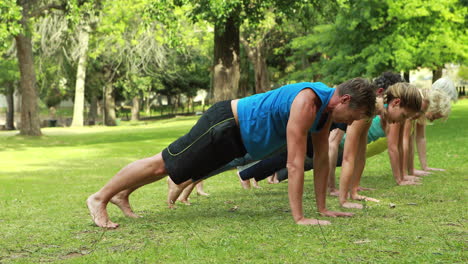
(307, 97)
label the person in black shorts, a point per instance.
(259, 125)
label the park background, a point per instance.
(117, 80)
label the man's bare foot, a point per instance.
(245, 184)
(98, 212)
(173, 193)
(122, 202)
(352, 205)
(365, 189)
(365, 198)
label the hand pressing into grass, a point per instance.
(310, 221)
(336, 214)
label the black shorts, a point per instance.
(214, 141)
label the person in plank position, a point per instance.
(260, 125)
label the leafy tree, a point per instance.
(371, 36)
(84, 17)
(227, 17)
(124, 44)
(18, 23)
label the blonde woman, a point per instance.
(437, 106)
(399, 102)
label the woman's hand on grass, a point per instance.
(421, 172)
(434, 169)
(310, 221)
(401, 183)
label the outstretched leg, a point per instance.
(131, 177)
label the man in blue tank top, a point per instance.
(260, 125)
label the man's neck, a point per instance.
(334, 101)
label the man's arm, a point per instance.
(301, 118)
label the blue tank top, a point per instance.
(263, 117)
(375, 132)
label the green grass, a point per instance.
(43, 218)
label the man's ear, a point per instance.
(345, 99)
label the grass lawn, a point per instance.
(45, 181)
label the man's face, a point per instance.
(345, 114)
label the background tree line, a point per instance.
(103, 51)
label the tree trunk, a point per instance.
(148, 105)
(437, 74)
(262, 80)
(93, 110)
(78, 106)
(10, 117)
(30, 123)
(226, 60)
(109, 106)
(406, 76)
(257, 57)
(135, 108)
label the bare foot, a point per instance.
(173, 193)
(122, 202)
(98, 212)
(273, 179)
(255, 184)
(184, 201)
(245, 184)
(334, 192)
(202, 193)
(352, 205)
